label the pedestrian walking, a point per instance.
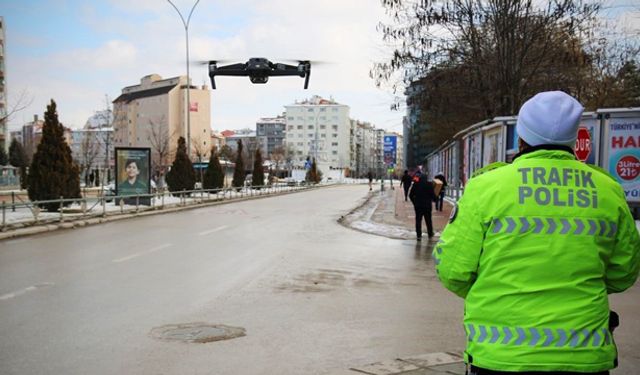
(405, 182)
(370, 176)
(534, 247)
(440, 195)
(422, 197)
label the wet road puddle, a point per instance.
(199, 333)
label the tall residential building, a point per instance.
(270, 133)
(31, 135)
(4, 134)
(364, 147)
(153, 114)
(414, 126)
(319, 128)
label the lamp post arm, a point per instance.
(188, 86)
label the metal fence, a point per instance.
(18, 213)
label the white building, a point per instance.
(321, 129)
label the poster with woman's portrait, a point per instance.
(132, 175)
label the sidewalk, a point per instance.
(388, 214)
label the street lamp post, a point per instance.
(188, 102)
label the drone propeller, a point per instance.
(207, 62)
(303, 61)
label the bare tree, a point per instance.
(89, 149)
(23, 101)
(159, 138)
(464, 60)
(201, 150)
(278, 157)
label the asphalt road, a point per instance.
(313, 296)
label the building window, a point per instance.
(309, 109)
(334, 152)
(323, 135)
(299, 135)
(311, 118)
(299, 127)
(334, 143)
(290, 118)
(323, 126)
(334, 109)
(310, 127)
(334, 127)
(323, 109)
(334, 135)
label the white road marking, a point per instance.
(25, 291)
(213, 230)
(132, 256)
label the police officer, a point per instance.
(535, 247)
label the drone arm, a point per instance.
(306, 79)
(230, 70)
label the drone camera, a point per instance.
(259, 79)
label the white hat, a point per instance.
(551, 117)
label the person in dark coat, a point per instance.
(422, 196)
(440, 197)
(405, 182)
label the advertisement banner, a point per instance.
(389, 150)
(624, 155)
(133, 165)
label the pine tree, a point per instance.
(52, 173)
(214, 176)
(258, 170)
(18, 158)
(4, 159)
(313, 174)
(238, 173)
(181, 176)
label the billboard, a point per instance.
(389, 150)
(133, 165)
(623, 163)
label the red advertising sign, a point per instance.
(628, 167)
(193, 107)
(583, 144)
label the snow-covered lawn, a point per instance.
(26, 214)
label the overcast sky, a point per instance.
(78, 51)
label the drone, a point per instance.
(260, 69)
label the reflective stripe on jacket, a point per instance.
(534, 247)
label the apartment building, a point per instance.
(4, 135)
(270, 134)
(154, 112)
(319, 128)
(363, 148)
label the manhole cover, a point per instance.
(196, 332)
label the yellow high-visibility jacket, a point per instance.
(534, 247)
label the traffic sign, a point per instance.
(583, 144)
